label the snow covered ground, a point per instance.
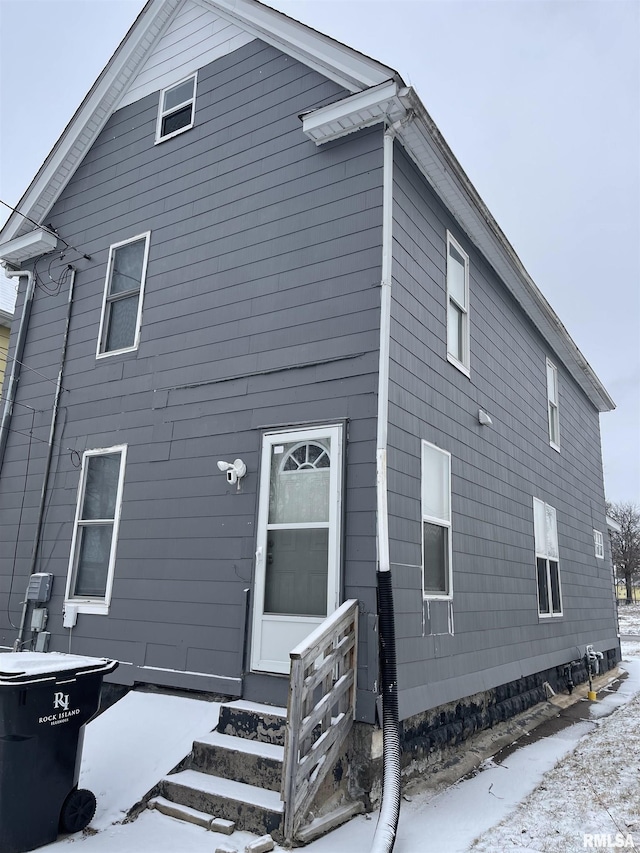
(563, 793)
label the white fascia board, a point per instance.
(28, 246)
(91, 116)
(374, 105)
(340, 63)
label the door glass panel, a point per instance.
(296, 572)
(299, 488)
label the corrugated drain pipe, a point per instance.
(385, 834)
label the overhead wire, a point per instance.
(15, 550)
(46, 228)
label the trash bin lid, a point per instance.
(28, 666)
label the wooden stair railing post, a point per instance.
(317, 726)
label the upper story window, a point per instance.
(545, 529)
(95, 533)
(598, 541)
(552, 405)
(177, 108)
(436, 521)
(457, 305)
(123, 293)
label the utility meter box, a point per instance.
(39, 588)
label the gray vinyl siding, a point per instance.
(261, 310)
(497, 634)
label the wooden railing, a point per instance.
(322, 701)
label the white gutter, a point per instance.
(382, 522)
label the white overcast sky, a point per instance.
(539, 100)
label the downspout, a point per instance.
(45, 482)
(385, 834)
(12, 386)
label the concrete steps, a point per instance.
(233, 774)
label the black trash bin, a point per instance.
(45, 701)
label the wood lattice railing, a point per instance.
(322, 701)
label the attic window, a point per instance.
(177, 108)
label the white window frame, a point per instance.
(107, 300)
(553, 414)
(598, 543)
(463, 365)
(442, 521)
(547, 549)
(97, 605)
(163, 113)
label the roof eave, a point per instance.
(435, 160)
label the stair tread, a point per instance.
(239, 744)
(244, 705)
(228, 788)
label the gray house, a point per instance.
(295, 350)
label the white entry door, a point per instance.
(297, 578)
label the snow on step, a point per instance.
(257, 707)
(227, 788)
(248, 747)
(180, 812)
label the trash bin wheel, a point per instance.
(77, 811)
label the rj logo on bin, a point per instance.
(61, 700)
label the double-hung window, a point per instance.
(457, 305)
(436, 522)
(552, 405)
(177, 108)
(598, 541)
(123, 295)
(95, 533)
(547, 559)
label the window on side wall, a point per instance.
(547, 559)
(177, 108)
(552, 405)
(436, 522)
(457, 305)
(123, 295)
(598, 541)
(95, 532)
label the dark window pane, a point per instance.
(176, 121)
(93, 560)
(122, 322)
(178, 95)
(126, 273)
(435, 545)
(556, 603)
(543, 592)
(101, 486)
(296, 576)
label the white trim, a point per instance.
(162, 114)
(553, 404)
(598, 543)
(441, 522)
(96, 605)
(102, 332)
(30, 245)
(544, 553)
(363, 109)
(463, 364)
(269, 440)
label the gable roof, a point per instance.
(378, 95)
